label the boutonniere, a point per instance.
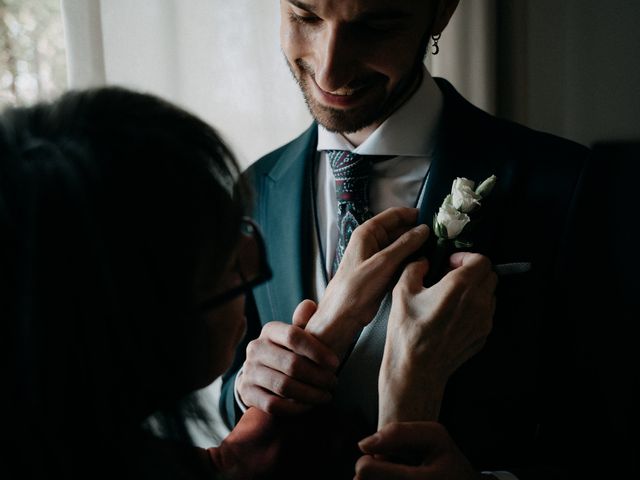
(454, 222)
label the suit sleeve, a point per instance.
(229, 410)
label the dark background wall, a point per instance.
(571, 67)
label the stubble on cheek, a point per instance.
(334, 119)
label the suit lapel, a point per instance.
(284, 216)
(464, 149)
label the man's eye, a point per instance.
(304, 19)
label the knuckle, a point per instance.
(383, 263)
(276, 385)
(281, 386)
(268, 329)
(270, 404)
(286, 390)
(294, 367)
(291, 336)
(360, 230)
(247, 371)
(378, 262)
(252, 348)
(372, 229)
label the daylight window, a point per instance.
(32, 55)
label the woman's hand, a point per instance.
(412, 450)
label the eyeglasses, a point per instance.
(250, 264)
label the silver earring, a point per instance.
(436, 48)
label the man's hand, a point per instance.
(288, 370)
(431, 332)
(412, 450)
(370, 266)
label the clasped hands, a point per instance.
(430, 333)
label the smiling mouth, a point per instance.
(343, 97)
(343, 92)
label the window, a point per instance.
(32, 56)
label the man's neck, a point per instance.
(359, 137)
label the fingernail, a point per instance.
(369, 442)
(334, 362)
(422, 228)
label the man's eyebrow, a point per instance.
(383, 14)
(302, 5)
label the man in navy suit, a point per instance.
(514, 403)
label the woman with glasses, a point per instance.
(124, 256)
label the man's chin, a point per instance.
(342, 120)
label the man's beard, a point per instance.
(354, 119)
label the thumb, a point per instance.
(405, 437)
(303, 313)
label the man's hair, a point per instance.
(108, 199)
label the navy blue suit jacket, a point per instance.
(519, 404)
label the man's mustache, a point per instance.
(353, 85)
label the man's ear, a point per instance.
(443, 15)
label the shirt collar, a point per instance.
(409, 131)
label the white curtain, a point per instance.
(83, 38)
(219, 59)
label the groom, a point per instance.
(520, 408)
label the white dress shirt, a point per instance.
(409, 135)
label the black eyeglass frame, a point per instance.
(264, 274)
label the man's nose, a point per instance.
(336, 59)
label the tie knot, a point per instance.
(349, 165)
(351, 172)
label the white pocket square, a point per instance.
(511, 268)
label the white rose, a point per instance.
(449, 221)
(463, 196)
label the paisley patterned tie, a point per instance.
(352, 172)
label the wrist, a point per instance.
(409, 389)
(404, 363)
(334, 327)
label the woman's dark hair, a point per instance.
(108, 199)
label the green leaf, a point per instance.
(463, 244)
(439, 229)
